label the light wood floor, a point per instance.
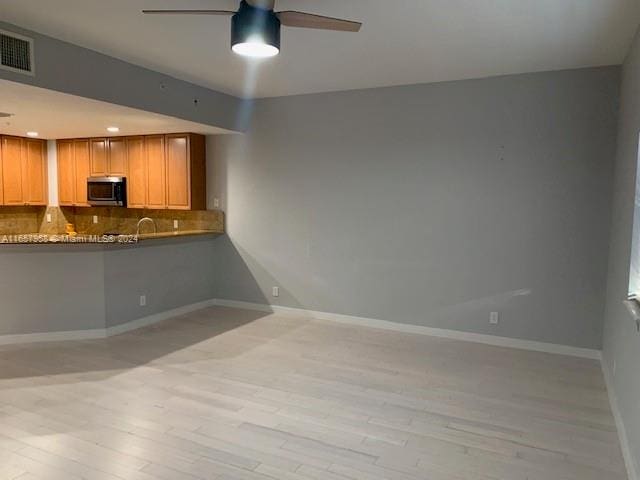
(230, 394)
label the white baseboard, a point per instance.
(103, 332)
(421, 330)
(334, 317)
(158, 317)
(346, 319)
(622, 431)
(52, 336)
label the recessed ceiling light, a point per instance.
(32, 134)
(113, 129)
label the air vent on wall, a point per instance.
(16, 53)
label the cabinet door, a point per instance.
(35, 172)
(99, 158)
(81, 154)
(1, 181)
(66, 173)
(156, 172)
(137, 176)
(12, 170)
(117, 166)
(178, 172)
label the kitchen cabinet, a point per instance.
(12, 171)
(117, 157)
(36, 190)
(1, 177)
(186, 172)
(137, 174)
(24, 171)
(156, 172)
(162, 171)
(169, 174)
(108, 157)
(74, 167)
(66, 173)
(98, 160)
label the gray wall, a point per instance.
(171, 273)
(51, 288)
(67, 68)
(431, 205)
(621, 341)
(79, 287)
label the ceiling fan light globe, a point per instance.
(255, 32)
(255, 50)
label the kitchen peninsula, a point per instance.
(64, 279)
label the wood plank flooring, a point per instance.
(235, 395)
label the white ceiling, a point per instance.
(57, 115)
(402, 42)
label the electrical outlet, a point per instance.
(494, 318)
(143, 300)
(275, 291)
(95, 219)
(175, 224)
(216, 203)
(49, 218)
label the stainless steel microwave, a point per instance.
(107, 191)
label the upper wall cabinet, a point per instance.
(186, 172)
(74, 166)
(23, 171)
(156, 171)
(162, 171)
(108, 157)
(117, 166)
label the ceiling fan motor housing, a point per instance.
(252, 24)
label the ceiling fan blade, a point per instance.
(309, 20)
(188, 12)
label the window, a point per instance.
(634, 273)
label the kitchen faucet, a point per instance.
(143, 220)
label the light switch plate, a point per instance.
(175, 224)
(95, 219)
(275, 291)
(48, 218)
(143, 300)
(216, 203)
(494, 318)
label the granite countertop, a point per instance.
(179, 233)
(90, 239)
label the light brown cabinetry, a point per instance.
(137, 174)
(36, 190)
(117, 157)
(156, 172)
(98, 157)
(1, 177)
(108, 157)
(12, 171)
(162, 171)
(74, 167)
(186, 179)
(23, 171)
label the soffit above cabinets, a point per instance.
(57, 115)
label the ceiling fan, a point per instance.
(255, 27)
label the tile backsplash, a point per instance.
(16, 220)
